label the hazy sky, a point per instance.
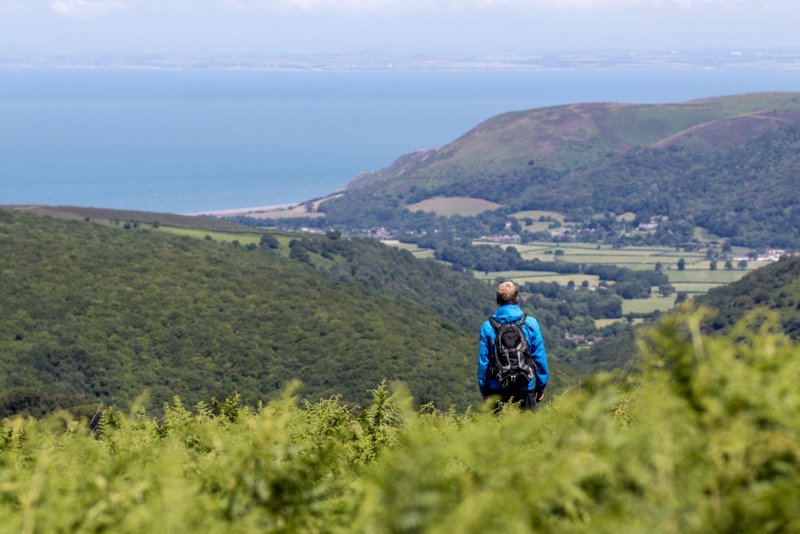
(426, 26)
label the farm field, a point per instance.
(225, 237)
(639, 258)
(648, 305)
(704, 276)
(535, 215)
(602, 323)
(447, 206)
(520, 277)
(696, 279)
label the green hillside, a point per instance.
(728, 165)
(91, 312)
(577, 135)
(776, 287)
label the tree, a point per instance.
(682, 297)
(659, 267)
(712, 265)
(269, 241)
(728, 265)
(742, 264)
(681, 264)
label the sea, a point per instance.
(189, 141)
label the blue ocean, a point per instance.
(198, 140)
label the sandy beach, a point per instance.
(243, 211)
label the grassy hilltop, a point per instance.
(728, 165)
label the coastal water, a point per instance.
(196, 140)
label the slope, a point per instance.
(727, 164)
(565, 137)
(99, 313)
(775, 287)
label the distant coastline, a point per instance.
(723, 58)
(242, 211)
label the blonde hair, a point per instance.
(507, 293)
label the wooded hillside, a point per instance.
(91, 312)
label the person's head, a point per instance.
(507, 293)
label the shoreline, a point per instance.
(242, 211)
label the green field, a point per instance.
(520, 277)
(537, 225)
(225, 237)
(705, 275)
(648, 305)
(697, 278)
(602, 323)
(447, 206)
(637, 258)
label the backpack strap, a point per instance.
(494, 323)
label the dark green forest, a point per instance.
(94, 313)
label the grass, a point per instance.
(602, 323)
(704, 276)
(448, 206)
(537, 225)
(521, 277)
(244, 238)
(649, 305)
(696, 278)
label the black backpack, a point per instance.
(512, 364)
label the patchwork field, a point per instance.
(638, 258)
(448, 206)
(696, 278)
(224, 237)
(520, 277)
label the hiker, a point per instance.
(512, 363)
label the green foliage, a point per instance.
(387, 270)
(707, 439)
(92, 314)
(776, 286)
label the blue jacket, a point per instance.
(508, 314)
